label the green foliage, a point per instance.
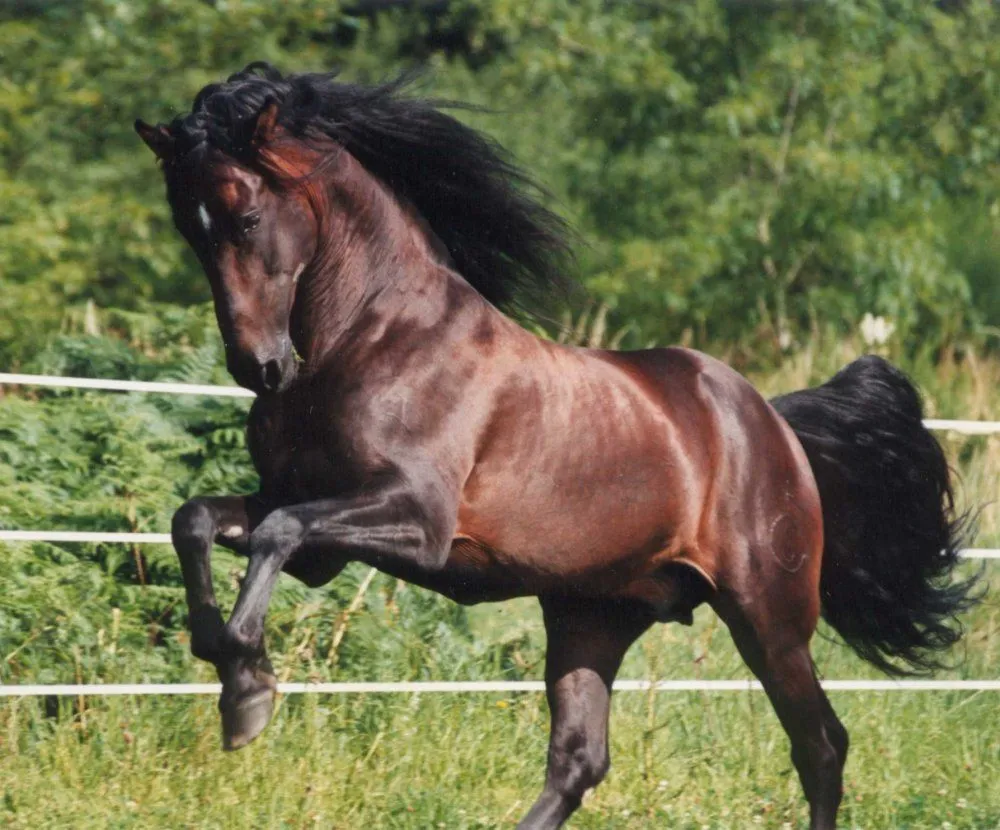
(739, 171)
(748, 172)
(86, 461)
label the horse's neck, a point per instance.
(379, 263)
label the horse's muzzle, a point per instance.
(265, 374)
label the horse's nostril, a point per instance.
(271, 375)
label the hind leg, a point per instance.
(771, 629)
(586, 643)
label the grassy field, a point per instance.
(688, 760)
(691, 760)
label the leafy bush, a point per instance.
(740, 171)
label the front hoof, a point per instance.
(247, 700)
(244, 719)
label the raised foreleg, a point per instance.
(385, 528)
(197, 525)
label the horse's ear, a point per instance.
(157, 138)
(266, 126)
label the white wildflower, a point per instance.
(876, 331)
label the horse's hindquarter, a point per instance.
(599, 468)
(764, 512)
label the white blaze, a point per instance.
(206, 220)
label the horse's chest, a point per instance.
(294, 452)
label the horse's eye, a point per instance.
(248, 223)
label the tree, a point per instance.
(741, 174)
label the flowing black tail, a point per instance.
(892, 536)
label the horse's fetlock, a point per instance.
(237, 642)
(206, 624)
(205, 648)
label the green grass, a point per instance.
(688, 760)
(476, 761)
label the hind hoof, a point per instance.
(245, 718)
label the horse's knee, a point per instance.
(577, 764)
(194, 521)
(280, 533)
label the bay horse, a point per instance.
(360, 244)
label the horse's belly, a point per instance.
(579, 550)
(670, 584)
(605, 525)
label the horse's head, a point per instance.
(254, 237)
(355, 189)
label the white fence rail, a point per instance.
(485, 686)
(964, 427)
(83, 536)
(164, 539)
(56, 382)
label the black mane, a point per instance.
(505, 244)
